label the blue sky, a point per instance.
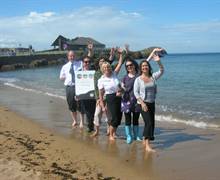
(177, 25)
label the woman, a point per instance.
(98, 111)
(145, 93)
(128, 104)
(87, 106)
(109, 85)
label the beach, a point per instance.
(30, 151)
(37, 141)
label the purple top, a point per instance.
(128, 103)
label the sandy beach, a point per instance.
(37, 142)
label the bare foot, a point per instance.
(81, 126)
(95, 134)
(111, 138)
(108, 132)
(74, 125)
(150, 150)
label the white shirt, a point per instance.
(109, 84)
(65, 72)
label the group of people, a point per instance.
(133, 95)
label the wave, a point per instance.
(34, 90)
(162, 118)
(10, 80)
(194, 123)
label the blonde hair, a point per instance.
(105, 64)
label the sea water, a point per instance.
(188, 92)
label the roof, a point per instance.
(84, 41)
(56, 42)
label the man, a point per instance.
(67, 74)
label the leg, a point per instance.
(128, 127)
(111, 133)
(81, 120)
(136, 126)
(147, 117)
(72, 104)
(81, 110)
(74, 117)
(90, 105)
(97, 119)
(108, 120)
(148, 147)
(118, 112)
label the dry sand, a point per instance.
(29, 151)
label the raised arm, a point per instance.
(90, 49)
(159, 73)
(120, 61)
(111, 55)
(127, 48)
(153, 53)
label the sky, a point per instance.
(179, 26)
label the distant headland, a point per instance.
(21, 58)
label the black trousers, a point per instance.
(135, 117)
(89, 106)
(70, 98)
(149, 121)
(114, 107)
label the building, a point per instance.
(15, 51)
(78, 43)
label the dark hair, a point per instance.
(133, 62)
(150, 68)
(86, 57)
(96, 62)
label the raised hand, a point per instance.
(90, 45)
(127, 48)
(112, 51)
(120, 50)
(156, 58)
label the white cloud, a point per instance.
(107, 25)
(102, 23)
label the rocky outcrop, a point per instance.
(33, 61)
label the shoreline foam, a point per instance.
(160, 118)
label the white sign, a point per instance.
(84, 83)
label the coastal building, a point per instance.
(78, 43)
(15, 51)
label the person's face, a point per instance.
(145, 67)
(86, 63)
(101, 62)
(130, 66)
(106, 69)
(71, 56)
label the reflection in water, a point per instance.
(132, 155)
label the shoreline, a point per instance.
(183, 152)
(41, 153)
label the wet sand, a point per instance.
(38, 139)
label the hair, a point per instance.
(150, 68)
(67, 54)
(107, 64)
(96, 62)
(87, 57)
(128, 59)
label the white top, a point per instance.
(146, 91)
(65, 72)
(109, 84)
